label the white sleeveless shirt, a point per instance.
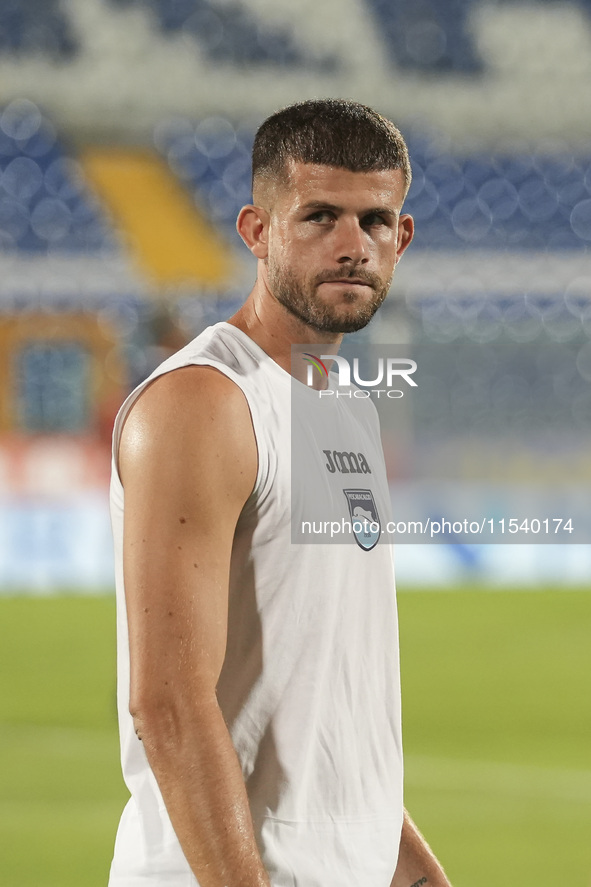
(310, 686)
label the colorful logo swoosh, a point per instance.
(316, 362)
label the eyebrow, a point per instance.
(320, 204)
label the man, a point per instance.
(258, 680)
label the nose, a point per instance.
(351, 245)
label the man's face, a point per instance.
(333, 241)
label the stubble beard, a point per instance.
(301, 299)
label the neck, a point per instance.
(275, 329)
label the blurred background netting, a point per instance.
(125, 136)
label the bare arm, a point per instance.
(416, 863)
(188, 463)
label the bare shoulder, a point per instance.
(191, 419)
(183, 399)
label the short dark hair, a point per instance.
(330, 132)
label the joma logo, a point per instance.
(346, 463)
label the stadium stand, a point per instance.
(493, 202)
(45, 203)
(506, 202)
(228, 33)
(428, 36)
(35, 26)
(212, 158)
(434, 37)
(119, 191)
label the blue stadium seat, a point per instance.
(433, 36)
(428, 35)
(35, 26)
(213, 158)
(229, 33)
(499, 202)
(44, 203)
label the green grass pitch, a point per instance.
(497, 720)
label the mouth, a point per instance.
(349, 281)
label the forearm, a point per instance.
(199, 776)
(416, 863)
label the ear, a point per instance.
(406, 230)
(253, 227)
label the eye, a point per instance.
(321, 216)
(373, 219)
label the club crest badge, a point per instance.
(365, 520)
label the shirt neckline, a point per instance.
(259, 352)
